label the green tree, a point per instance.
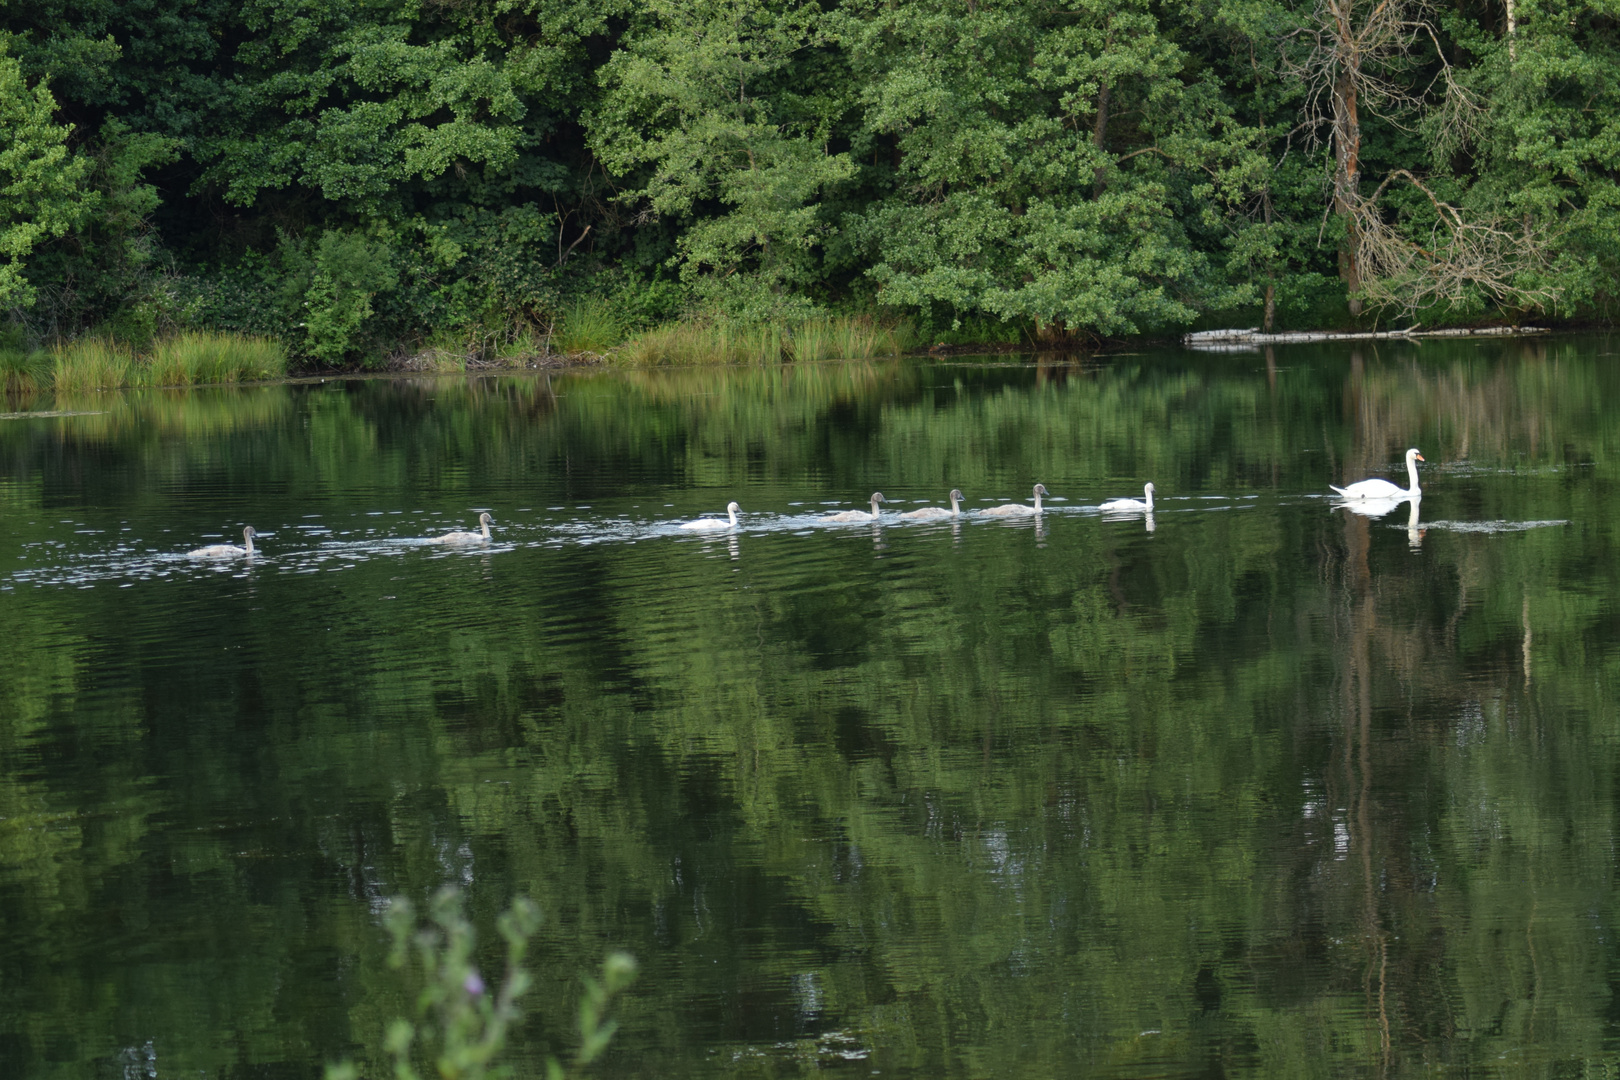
(41, 180)
(1040, 165)
(724, 112)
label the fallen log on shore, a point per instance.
(1222, 340)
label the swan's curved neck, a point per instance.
(1149, 494)
(956, 508)
(1037, 502)
(732, 514)
(874, 510)
(247, 541)
(483, 528)
(1411, 476)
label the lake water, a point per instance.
(1264, 788)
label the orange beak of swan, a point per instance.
(1420, 457)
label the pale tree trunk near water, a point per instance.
(1271, 275)
(1347, 149)
(1355, 56)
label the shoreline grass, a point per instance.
(90, 364)
(588, 326)
(193, 358)
(722, 341)
(589, 330)
(23, 372)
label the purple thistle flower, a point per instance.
(474, 985)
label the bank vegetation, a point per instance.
(678, 181)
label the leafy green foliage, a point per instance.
(1043, 168)
(1077, 169)
(334, 281)
(461, 1024)
(713, 98)
(40, 181)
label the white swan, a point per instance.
(938, 513)
(227, 551)
(715, 523)
(1131, 504)
(1383, 489)
(460, 539)
(1018, 509)
(859, 515)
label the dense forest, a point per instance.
(352, 178)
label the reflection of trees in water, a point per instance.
(1525, 398)
(1267, 784)
(1444, 762)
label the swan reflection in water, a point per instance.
(1377, 508)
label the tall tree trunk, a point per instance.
(1271, 273)
(1512, 31)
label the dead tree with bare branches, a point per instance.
(1356, 57)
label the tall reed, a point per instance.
(23, 372)
(717, 340)
(588, 326)
(186, 359)
(90, 364)
(849, 338)
(194, 357)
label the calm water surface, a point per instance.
(1259, 787)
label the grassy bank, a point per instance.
(98, 363)
(586, 332)
(720, 341)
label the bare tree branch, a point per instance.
(1354, 56)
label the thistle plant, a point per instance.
(461, 1024)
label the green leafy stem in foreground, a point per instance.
(461, 1025)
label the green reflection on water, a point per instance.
(1271, 789)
